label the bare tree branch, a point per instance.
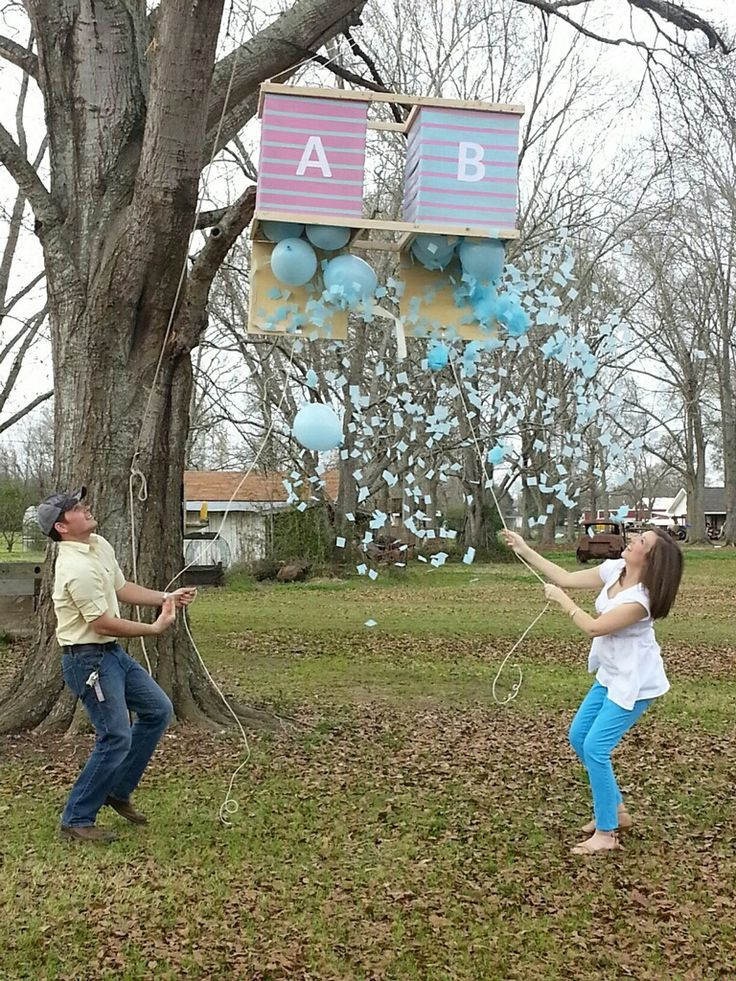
(674, 14)
(222, 238)
(25, 410)
(19, 56)
(685, 20)
(306, 25)
(27, 180)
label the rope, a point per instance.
(516, 686)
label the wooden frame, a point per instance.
(441, 317)
(408, 230)
(370, 96)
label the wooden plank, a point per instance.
(375, 224)
(391, 127)
(443, 313)
(397, 97)
(262, 308)
(413, 113)
(17, 587)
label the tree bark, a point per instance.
(696, 467)
(728, 425)
(127, 115)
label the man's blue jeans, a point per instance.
(121, 751)
(595, 732)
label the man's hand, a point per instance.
(166, 617)
(184, 596)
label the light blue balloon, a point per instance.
(329, 238)
(497, 454)
(317, 427)
(277, 231)
(293, 262)
(483, 260)
(350, 277)
(433, 251)
(438, 357)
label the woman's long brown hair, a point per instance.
(662, 574)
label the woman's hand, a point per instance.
(556, 594)
(514, 540)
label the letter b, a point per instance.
(470, 166)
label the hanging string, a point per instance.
(488, 482)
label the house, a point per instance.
(243, 520)
(714, 505)
(665, 511)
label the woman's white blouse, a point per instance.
(628, 663)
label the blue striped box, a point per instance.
(462, 168)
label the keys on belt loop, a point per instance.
(94, 682)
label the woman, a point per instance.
(638, 589)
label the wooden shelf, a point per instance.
(367, 95)
(364, 226)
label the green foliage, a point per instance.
(15, 497)
(302, 534)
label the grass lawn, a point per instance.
(18, 553)
(404, 825)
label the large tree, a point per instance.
(133, 101)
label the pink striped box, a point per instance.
(312, 156)
(462, 168)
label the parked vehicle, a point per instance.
(602, 540)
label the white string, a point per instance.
(230, 805)
(516, 686)
(136, 474)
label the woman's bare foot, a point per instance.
(625, 821)
(601, 841)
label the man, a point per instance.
(87, 587)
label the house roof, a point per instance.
(220, 485)
(714, 500)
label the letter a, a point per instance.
(314, 145)
(470, 167)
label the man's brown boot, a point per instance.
(125, 809)
(88, 832)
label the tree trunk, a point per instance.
(695, 467)
(128, 118)
(728, 423)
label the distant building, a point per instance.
(245, 529)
